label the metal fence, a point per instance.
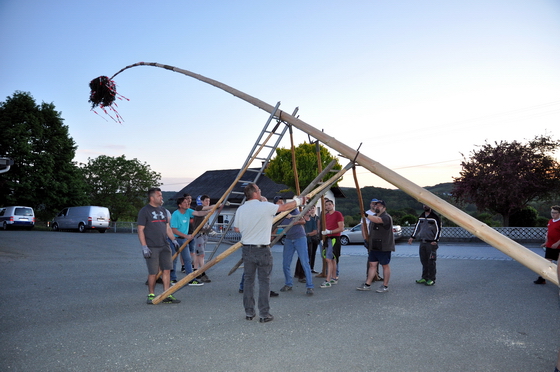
(519, 234)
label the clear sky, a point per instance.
(417, 82)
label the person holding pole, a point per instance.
(313, 236)
(180, 221)
(254, 221)
(552, 239)
(428, 231)
(201, 238)
(334, 223)
(381, 244)
(153, 231)
(296, 241)
(365, 234)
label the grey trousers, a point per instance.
(428, 256)
(257, 263)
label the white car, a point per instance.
(354, 235)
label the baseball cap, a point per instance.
(276, 198)
(374, 200)
(381, 202)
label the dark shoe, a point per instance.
(183, 268)
(301, 280)
(205, 278)
(240, 291)
(272, 294)
(309, 292)
(364, 287)
(170, 300)
(249, 317)
(269, 318)
(157, 281)
(285, 288)
(173, 282)
(314, 272)
(540, 280)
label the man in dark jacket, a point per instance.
(380, 245)
(428, 231)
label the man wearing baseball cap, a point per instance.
(381, 244)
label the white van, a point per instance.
(17, 216)
(82, 218)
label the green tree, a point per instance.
(524, 217)
(119, 184)
(409, 219)
(506, 176)
(44, 175)
(280, 168)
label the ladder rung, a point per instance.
(237, 192)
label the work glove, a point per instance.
(326, 232)
(146, 251)
(176, 244)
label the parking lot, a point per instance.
(76, 302)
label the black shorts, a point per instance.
(551, 254)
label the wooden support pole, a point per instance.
(307, 190)
(323, 219)
(294, 164)
(236, 246)
(219, 202)
(361, 202)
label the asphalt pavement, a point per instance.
(77, 302)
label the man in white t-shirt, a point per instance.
(254, 221)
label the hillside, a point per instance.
(394, 198)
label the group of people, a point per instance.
(162, 234)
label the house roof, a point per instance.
(214, 183)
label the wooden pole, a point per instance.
(218, 203)
(361, 202)
(294, 165)
(513, 249)
(236, 246)
(323, 219)
(307, 190)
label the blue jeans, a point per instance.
(186, 254)
(257, 263)
(291, 246)
(173, 274)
